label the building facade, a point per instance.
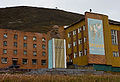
(27, 50)
(94, 40)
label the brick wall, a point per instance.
(20, 48)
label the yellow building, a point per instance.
(95, 40)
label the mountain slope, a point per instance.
(35, 19)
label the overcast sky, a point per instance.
(107, 7)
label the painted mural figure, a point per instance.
(95, 30)
(96, 38)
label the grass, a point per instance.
(58, 78)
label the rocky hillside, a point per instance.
(35, 19)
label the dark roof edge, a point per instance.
(112, 22)
(75, 23)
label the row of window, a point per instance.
(24, 44)
(24, 61)
(24, 38)
(75, 42)
(80, 53)
(24, 52)
(74, 31)
(113, 35)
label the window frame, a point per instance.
(114, 37)
(5, 62)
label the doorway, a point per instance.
(14, 61)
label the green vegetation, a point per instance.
(35, 19)
(58, 78)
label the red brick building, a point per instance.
(27, 50)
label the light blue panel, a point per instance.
(50, 52)
(96, 38)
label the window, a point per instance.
(116, 54)
(34, 46)
(25, 38)
(114, 36)
(4, 60)
(74, 32)
(43, 62)
(74, 43)
(80, 53)
(25, 44)
(34, 61)
(75, 55)
(43, 53)
(34, 38)
(79, 30)
(4, 43)
(34, 53)
(69, 45)
(15, 36)
(24, 61)
(25, 52)
(80, 41)
(84, 27)
(5, 35)
(85, 39)
(15, 52)
(15, 44)
(43, 39)
(85, 51)
(69, 34)
(43, 46)
(4, 51)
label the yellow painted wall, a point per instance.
(115, 61)
(82, 60)
(109, 47)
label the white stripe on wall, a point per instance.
(53, 42)
(65, 53)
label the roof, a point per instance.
(114, 22)
(110, 22)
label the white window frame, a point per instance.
(83, 27)
(75, 55)
(69, 34)
(4, 51)
(115, 54)
(74, 43)
(34, 38)
(69, 45)
(5, 35)
(79, 29)
(74, 32)
(85, 51)
(34, 53)
(114, 37)
(24, 62)
(25, 37)
(80, 41)
(85, 39)
(80, 53)
(4, 60)
(43, 39)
